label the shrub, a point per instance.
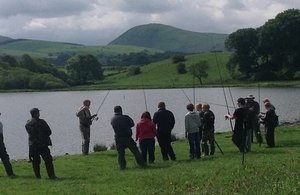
(178, 58)
(134, 70)
(99, 147)
(181, 68)
(297, 75)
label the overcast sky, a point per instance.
(97, 22)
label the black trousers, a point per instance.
(270, 136)
(5, 159)
(36, 153)
(127, 142)
(164, 141)
(148, 148)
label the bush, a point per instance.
(178, 58)
(265, 76)
(297, 75)
(37, 83)
(181, 68)
(99, 147)
(134, 70)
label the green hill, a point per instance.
(49, 49)
(169, 38)
(4, 39)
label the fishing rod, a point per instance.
(194, 89)
(219, 147)
(229, 89)
(145, 99)
(186, 95)
(216, 104)
(101, 104)
(224, 93)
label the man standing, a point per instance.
(85, 122)
(254, 111)
(39, 139)
(165, 121)
(208, 134)
(122, 125)
(4, 156)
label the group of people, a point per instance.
(247, 122)
(199, 130)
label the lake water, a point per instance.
(59, 108)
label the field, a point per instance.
(265, 171)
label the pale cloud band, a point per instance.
(97, 22)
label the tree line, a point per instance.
(269, 52)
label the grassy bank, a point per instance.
(266, 171)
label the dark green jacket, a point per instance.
(39, 132)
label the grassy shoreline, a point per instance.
(266, 171)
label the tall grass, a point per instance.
(266, 171)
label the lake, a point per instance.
(59, 109)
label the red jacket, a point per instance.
(145, 129)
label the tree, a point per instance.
(181, 68)
(85, 67)
(244, 42)
(134, 70)
(178, 58)
(199, 70)
(28, 63)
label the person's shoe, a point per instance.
(173, 158)
(165, 159)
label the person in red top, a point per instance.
(145, 133)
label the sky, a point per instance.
(98, 22)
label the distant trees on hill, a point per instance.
(29, 73)
(83, 68)
(269, 52)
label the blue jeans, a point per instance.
(194, 142)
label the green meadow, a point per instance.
(265, 171)
(163, 74)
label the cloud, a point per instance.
(43, 8)
(97, 22)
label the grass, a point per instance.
(266, 171)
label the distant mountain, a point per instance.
(4, 39)
(169, 38)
